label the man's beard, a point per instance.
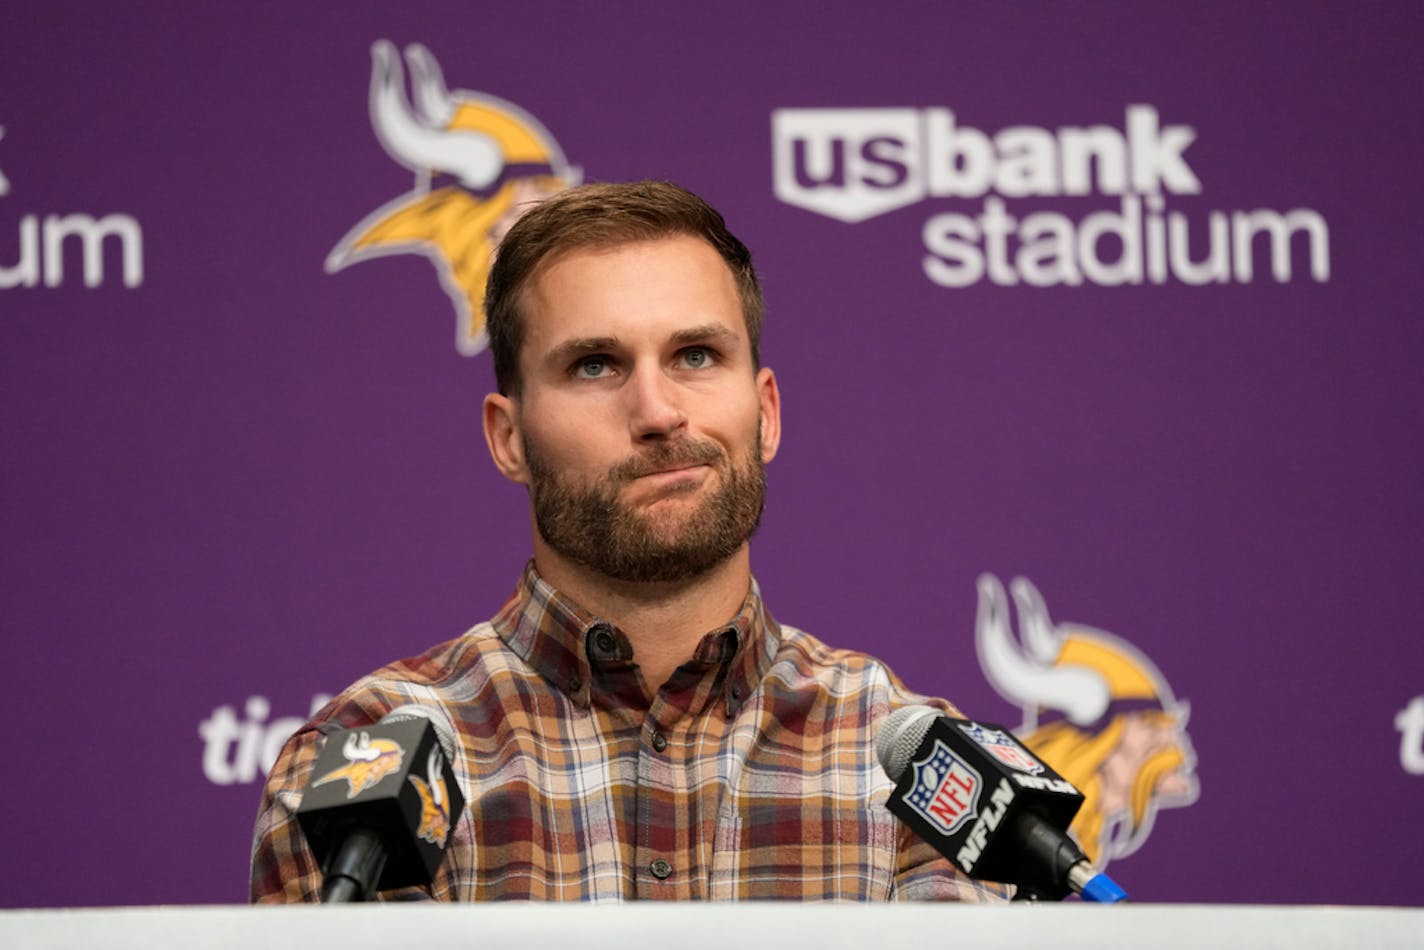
(589, 524)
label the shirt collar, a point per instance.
(557, 637)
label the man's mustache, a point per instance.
(665, 456)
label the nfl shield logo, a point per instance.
(1004, 748)
(946, 790)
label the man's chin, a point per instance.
(665, 524)
(672, 564)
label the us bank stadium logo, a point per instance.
(1097, 710)
(479, 163)
(855, 164)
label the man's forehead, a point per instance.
(597, 258)
(603, 247)
(674, 289)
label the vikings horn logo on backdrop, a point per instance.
(479, 163)
(1097, 710)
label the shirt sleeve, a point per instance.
(283, 867)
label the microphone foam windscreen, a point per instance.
(900, 735)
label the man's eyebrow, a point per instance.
(707, 333)
(580, 346)
(572, 349)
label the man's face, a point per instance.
(641, 426)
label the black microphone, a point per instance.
(381, 804)
(987, 803)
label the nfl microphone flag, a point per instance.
(987, 803)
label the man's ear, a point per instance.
(505, 441)
(770, 398)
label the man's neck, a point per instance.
(664, 620)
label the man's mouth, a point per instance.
(684, 464)
(673, 477)
(673, 469)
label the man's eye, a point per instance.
(697, 357)
(591, 367)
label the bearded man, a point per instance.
(633, 723)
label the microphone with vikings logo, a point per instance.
(988, 804)
(380, 806)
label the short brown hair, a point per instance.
(603, 215)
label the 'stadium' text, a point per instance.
(46, 244)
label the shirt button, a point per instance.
(659, 743)
(575, 684)
(603, 641)
(661, 869)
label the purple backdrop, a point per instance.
(242, 482)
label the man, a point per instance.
(633, 723)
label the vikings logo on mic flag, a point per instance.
(479, 162)
(434, 798)
(367, 762)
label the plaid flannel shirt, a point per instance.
(751, 774)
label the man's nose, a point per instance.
(656, 408)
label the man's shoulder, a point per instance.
(462, 664)
(446, 661)
(802, 659)
(796, 646)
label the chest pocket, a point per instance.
(803, 847)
